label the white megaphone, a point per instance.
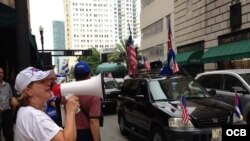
(93, 87)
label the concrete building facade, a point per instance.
(207, 25)
(156, 15)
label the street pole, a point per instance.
(41, 33)
(42, 43)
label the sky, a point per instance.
(42, 13)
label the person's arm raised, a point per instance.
(69, 132)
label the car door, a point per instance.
(228, 94)
(128, 99)
(141, 106)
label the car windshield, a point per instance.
(246, 77)
(110, 84)
(173, 89)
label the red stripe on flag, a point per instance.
(175, 67)
(185, 115)
(238, 108)
(132, 59)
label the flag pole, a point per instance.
(128, 65)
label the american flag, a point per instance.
(185, 115)
(171, 54)
(65, 68)
(238, 108)
(146, 63)
(132, 60)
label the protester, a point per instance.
(8, 104)
(51, 110)
(87, 120)
(32, 123)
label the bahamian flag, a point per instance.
(65, 68)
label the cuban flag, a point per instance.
(185, 114)
(171, 61)
(171, 67)
(238, 108)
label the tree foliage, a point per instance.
(93, 60)
(120, 54)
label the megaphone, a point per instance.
(93, 87)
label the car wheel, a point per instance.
(122, 126)
(158, 135)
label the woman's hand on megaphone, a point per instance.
(72, 104)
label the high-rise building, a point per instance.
(129, 17)
(100, 24)
(59, 43)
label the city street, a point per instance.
(111, 132)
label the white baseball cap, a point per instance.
(30, 74)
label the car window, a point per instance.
(130, 88)
(173, 89)
(231, 81)
(110, 84)
(156, 90)
(246, 77)
(142, 88)
(213, 81)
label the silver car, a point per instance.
(223, 84)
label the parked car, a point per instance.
(109, 102)
(223, 84)
(150, 107)
(119, 81)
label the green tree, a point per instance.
(93, 60)
(120, 54)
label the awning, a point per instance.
(7, 16)
(191, 57)
(227, 52)
(36, 60)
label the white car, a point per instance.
(223, 84)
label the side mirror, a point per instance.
(212, 92)
(238, 89)
(120, 84)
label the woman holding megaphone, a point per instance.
(32, 123)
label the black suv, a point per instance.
(112, 90)
(151, 108)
